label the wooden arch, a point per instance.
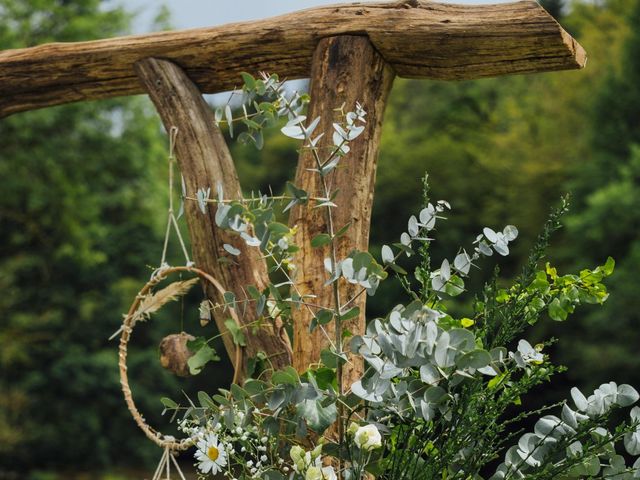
(351, 52)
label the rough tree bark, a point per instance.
(418, 38)
(346, 70)
(204, 160)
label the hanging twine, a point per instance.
(164, 466)
(167, 442)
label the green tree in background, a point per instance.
(507, 148)
(606, 215)
(554, 7)
(81, 213)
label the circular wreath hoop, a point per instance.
(163, 441)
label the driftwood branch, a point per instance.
(346, 70)
(204, 161)
(418, 38)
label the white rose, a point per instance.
(368, 438)
(317, 473)
(329, 474)
(313, 473)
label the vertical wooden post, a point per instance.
(205, 161)
(345, 70)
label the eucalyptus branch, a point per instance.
(435, 397)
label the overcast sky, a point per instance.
(203, 13)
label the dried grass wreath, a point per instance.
(146, 303)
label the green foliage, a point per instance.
(203, 353)
(500, 150)
(78, 213)
(605, 214)
(438, 387)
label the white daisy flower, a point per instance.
(211, 454)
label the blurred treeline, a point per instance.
(83, 203)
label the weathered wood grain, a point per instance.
(346, 70)
(204, 160)
(418, 38)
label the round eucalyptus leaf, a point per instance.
(501, 248)
(484, 249)
(546, 425)
(475, 359)
(429, 374)
(579, 399)
(445, 270)
(462, 263)
(442, 356)
(387, 254)
(437, 283)
(435, 395)
(426, 215)
(510, 233)
(347, 268)
(627, 395)
(512, 458)
(231, 249)
(499, 354)
(462, 339)
(632, 443)
(490, 234)
(412, 226)
(528, 443)
(569, 416)
(574, 449)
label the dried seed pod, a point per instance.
(174, 353)
(205, 312)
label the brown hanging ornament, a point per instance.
(174, 353)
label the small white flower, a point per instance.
(368, 438)
(210, 454)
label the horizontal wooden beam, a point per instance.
(418, 38)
